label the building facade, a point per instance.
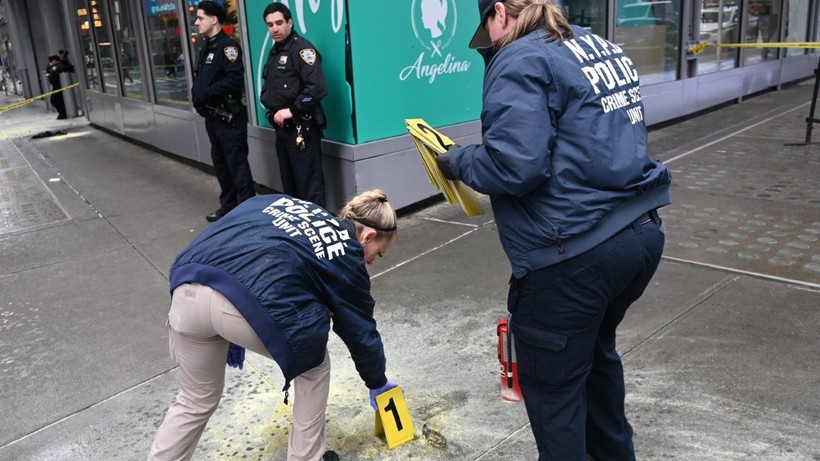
(385, 62)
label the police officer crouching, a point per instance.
(219, 83)
(292, 92)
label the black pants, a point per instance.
(564, 318)
(301, 170)
(59, 103)
(229, 154)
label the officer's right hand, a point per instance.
(374, 392)
(282, 116)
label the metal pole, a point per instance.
(811, 120)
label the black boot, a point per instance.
(213, 217)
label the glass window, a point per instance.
(589, 14)
(89, 60)
(194, 38)
(649, 32)
(105, 47)
(130, 68)
(816, 27)
(719, 25)
(165, 48)
(797, 25)
(763, 26)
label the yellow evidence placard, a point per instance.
(393, 418)
(431, 143)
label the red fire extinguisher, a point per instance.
(510, 390)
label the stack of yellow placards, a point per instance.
(430, 144)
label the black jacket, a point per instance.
(53, 72)
(219, 72)
(294, 78)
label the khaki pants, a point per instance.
(201, 324)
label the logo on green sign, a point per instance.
(434, 24)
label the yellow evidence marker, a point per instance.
(393, 418)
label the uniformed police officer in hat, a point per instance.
(57, 64)
(293, 89)
(219, 83)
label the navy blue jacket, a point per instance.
(289, 266)
(563, 155)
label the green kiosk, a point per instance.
(385, 61)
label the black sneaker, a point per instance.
(213, 217)
(330, 455)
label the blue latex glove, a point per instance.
(236, 356)
(374, 392)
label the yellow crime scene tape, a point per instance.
(30, 100)
(700, 46)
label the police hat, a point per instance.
(481, 38)
(53, 58)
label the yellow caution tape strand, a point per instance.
(700, 46)
(30, 100)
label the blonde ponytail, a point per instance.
(532, 15)
(371, 209)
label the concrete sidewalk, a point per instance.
(720, 353)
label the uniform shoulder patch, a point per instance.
(231, 52)
(308, 55)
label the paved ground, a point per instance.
(720, 353)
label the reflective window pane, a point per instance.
(194, 38)
(719, 25)
(764, 27)
(817, 28)
(88, 61)
(130, 69)
(105, 47)
(797, 25)
(649, 32)
(589, 14)
(165, 48)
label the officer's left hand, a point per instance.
(443, 162)
(236, 356)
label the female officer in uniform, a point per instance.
(293, 90)
(564, 161)
(269, 276)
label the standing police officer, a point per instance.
(292, 92)
(58, 64)
(217, 93)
